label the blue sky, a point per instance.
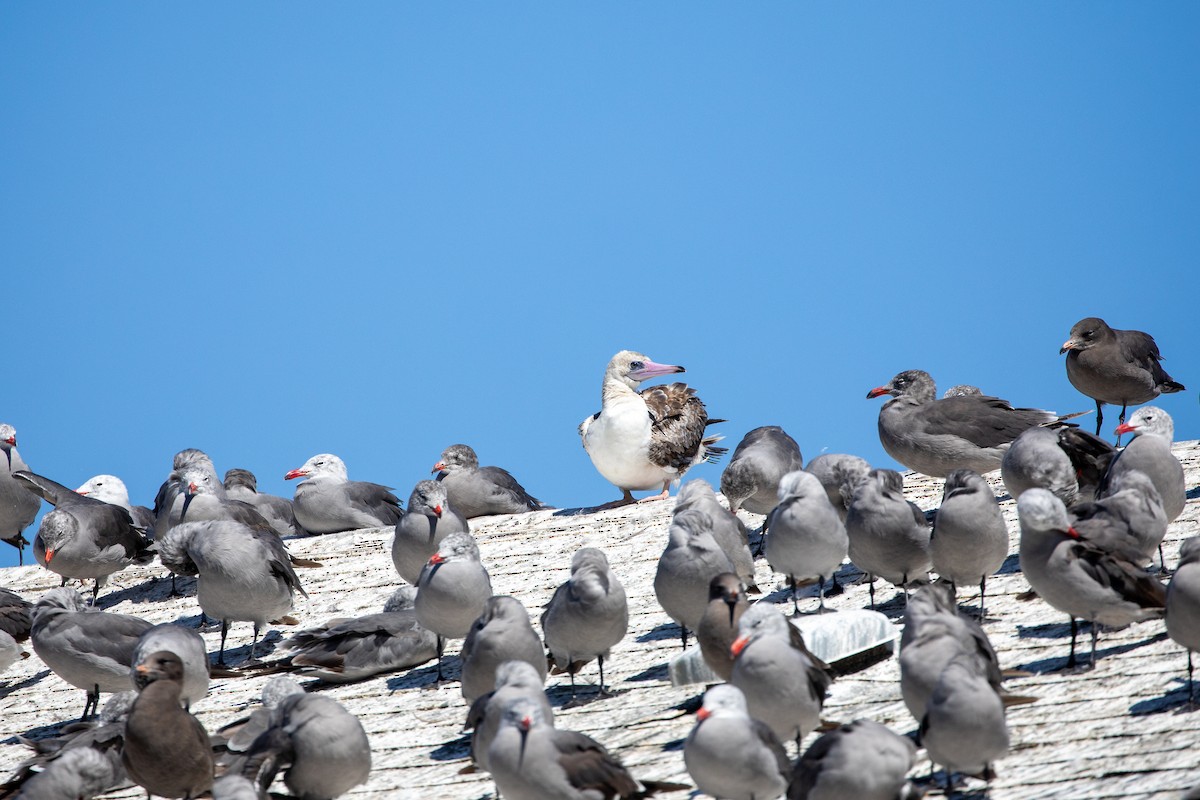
(276, 229)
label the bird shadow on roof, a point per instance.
(1058, 663)
(425, 677)
(153, 589)
(665, 630)
(9, 688)
(1047, 630)
(658, 672)
(1193, 493)
(454, 750)
(1011, 565)
(1174, 700)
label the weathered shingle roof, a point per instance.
(1122, 730)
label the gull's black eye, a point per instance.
(636, 365)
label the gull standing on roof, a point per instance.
(91, 650)
(964, 728)
(969, 540)
(888, 535)
(429, 519)
(731, 755)
(761, 459)
(691, 559)
(502, 633)
(17, 506)
(243, 574)
(586, 616)
(329, 502)
(477, 491)
(452, 590)
(934, 436)
(1079, 577)
(806, 538)
(1183, 604)
(784, 683)
(1115, 366)
(644, 440)
(83, 538)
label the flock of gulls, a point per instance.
(1092, 516)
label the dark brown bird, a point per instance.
(1114, 366)
(167, 751)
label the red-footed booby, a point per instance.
(643, 440)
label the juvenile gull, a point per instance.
(452, 590)
(644, 440)
(328, 501)
(241, 484)
(840, 475)
(717, 629)
(806, 538)
(729, 531)
(476, 491)
(934, 437)
(1183, 604)
(586, 616)
(429, 520)
(82, 537)
(784, 683)
(688, 564)
(243, 574)
(1077, 576)
(17, 506)
(111, 489)
(502, 633)
(859, 761)
(166, 749)
(761, 459)
(731, 755)
(888, 535)
(1150, 453)
(514, 679)
(969, 540)
(532, 760)
(344, 650)
(322, 746)
(91, 650)
(1115, 366)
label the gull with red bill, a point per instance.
(429, 520)
(329, 502)
(935, 437)
(648, 439)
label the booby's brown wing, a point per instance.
(677, 419)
